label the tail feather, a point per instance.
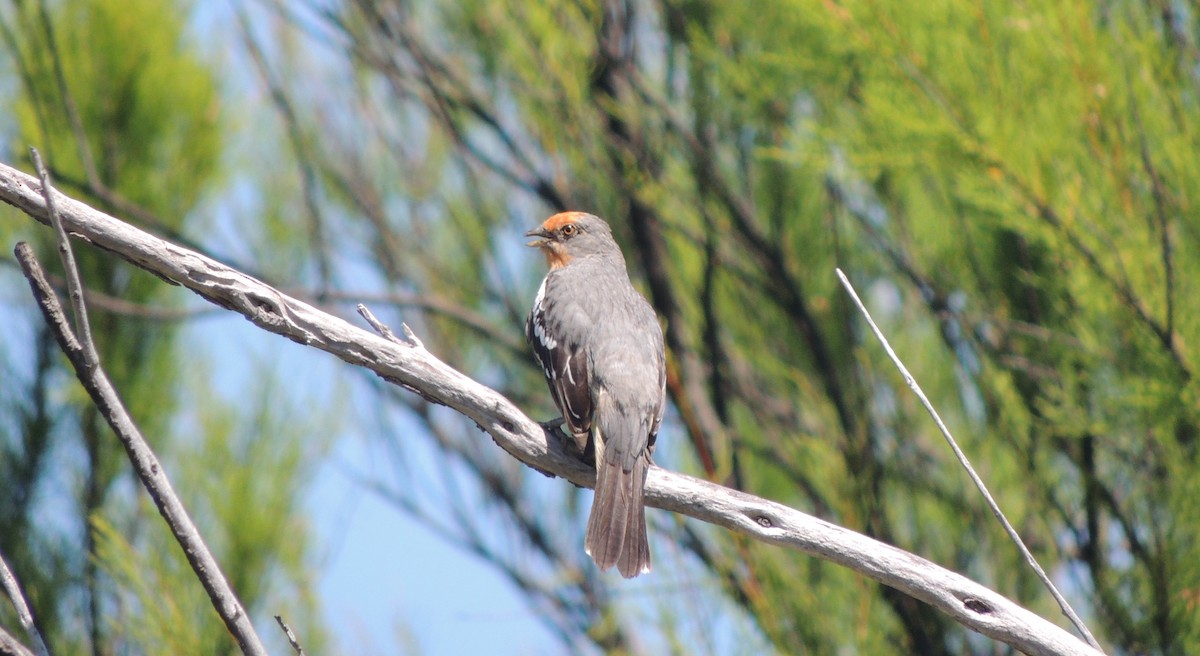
(616, 529)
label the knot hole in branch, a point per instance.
(977, 606)
(764, 520)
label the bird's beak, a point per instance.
(542, 233)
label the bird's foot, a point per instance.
(553, 426)
(581, 449)
(553, 431)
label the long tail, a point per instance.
(616, 529)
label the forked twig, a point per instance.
(962, 458)
(74, 285)
(410, 338)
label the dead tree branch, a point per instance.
(86, 361)
(292, 640)
(145, 463)
(962, 459)
(416, 369)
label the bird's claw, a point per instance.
(552, 426)
(554, 429)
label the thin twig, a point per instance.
(24, 615)
(145, 463)
(377, 325)
(287, 631)
(962, 458)
(410, 338)
(432, 303)
(74, 286)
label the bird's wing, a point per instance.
(564, 363)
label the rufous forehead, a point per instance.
(561, 219)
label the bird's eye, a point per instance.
(569, 230)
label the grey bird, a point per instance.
(600, 346)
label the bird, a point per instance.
(600, 346)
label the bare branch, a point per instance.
(145, 463)
(438, 305)
(379, 326)
(24, 616)
(287, 631)
(969, 603)
(410, 338)
(962, 458)
(74, 286)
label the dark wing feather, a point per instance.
(565, 366)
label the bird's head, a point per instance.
(569, 235)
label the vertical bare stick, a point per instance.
(962, 458)
(24, 616)
(287, 631)
(74, 285)
(145, 463)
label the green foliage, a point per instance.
(252, 513)
(147, 615)
(148, 105)
(245, 500)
